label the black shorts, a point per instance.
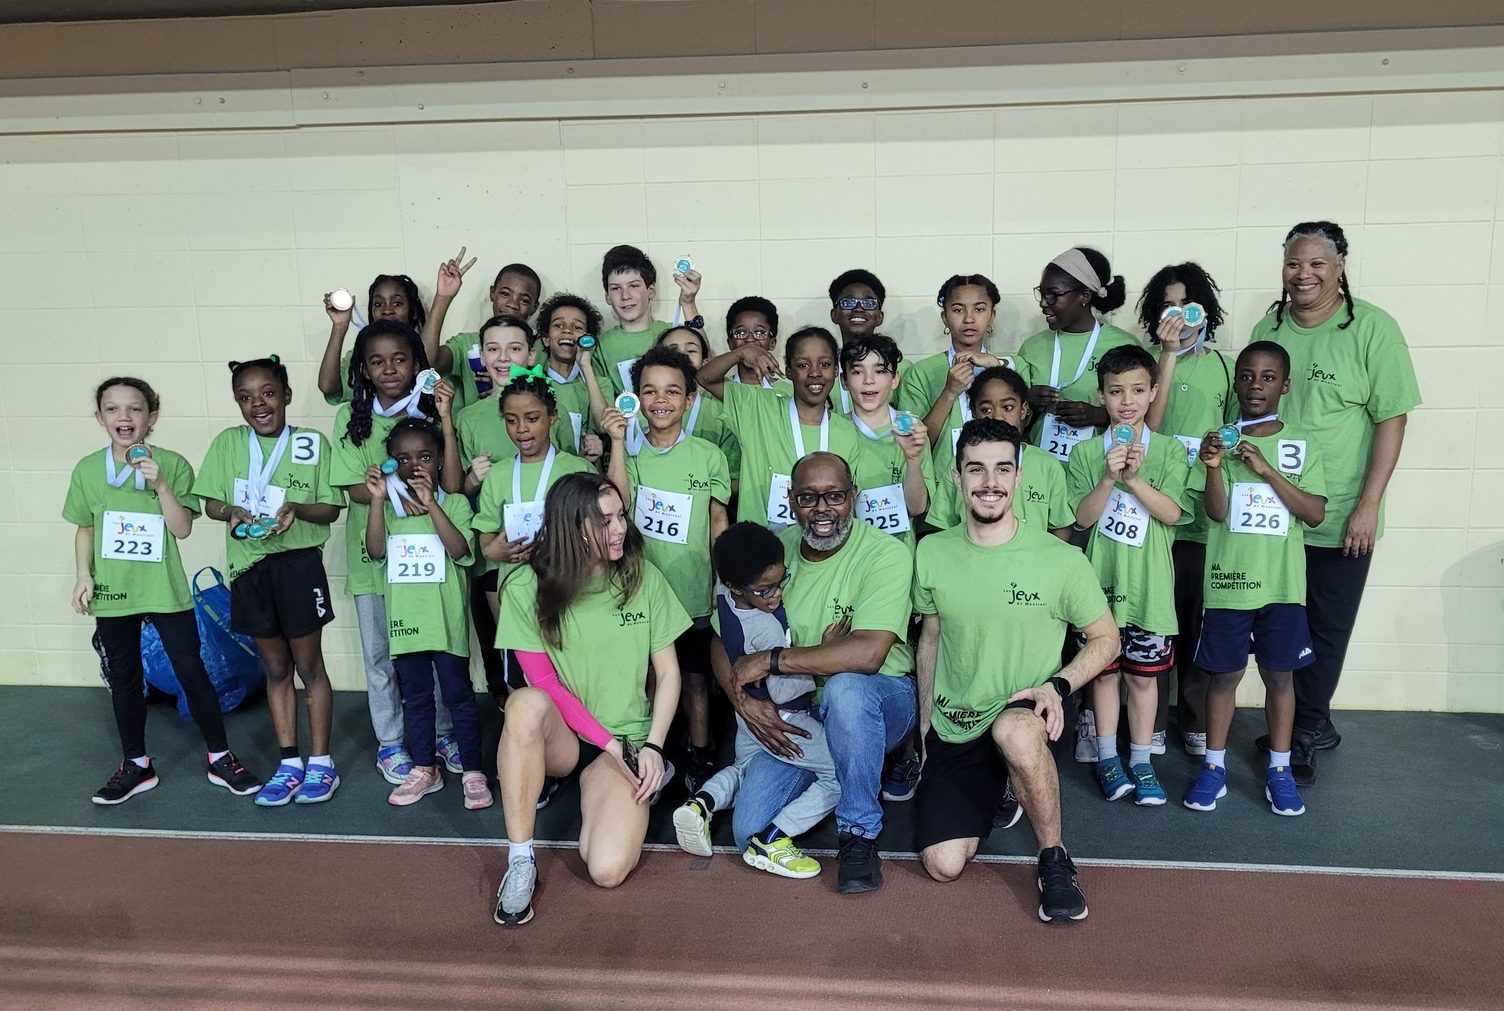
(962, 785)
(284, 595)
(693, 648)
(1276, 634)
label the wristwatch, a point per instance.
(773, 656)
(698, 322)
(1061, 685)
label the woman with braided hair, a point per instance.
(1351, 384)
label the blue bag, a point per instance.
(231, 659)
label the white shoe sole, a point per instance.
(390, 777)
(1282, 814)
(302, 798)
(150, 784)
(215, 780)
(435, 787)
(762, 863)
(1150, 801)
(690, 829)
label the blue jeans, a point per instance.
(416, 674)
(865, 717)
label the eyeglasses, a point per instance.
(852, 303)
(741, 333)
(809, 499)
(768, 592)
(1049, 296)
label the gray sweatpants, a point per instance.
(808, 809)
(382, 691)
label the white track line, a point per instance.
(395, 840)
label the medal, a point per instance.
(1193, 315)
(140, 451)
(585, 343)
(389, 466)
(683, 265)
(1230, 436)
(426, 381)
(627, 403)
(1123, 435)
(903, 423)
(341, 300)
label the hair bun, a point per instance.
(234, 366)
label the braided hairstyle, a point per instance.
(416, 314)
(1332, 234)
(530, 385)
(963, 280)
(363, 391)
(1200, 287)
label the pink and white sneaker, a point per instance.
(477, 793)
(418, 784)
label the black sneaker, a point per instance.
(230, 774)
(699, 766)
(1303, 760)
(129, 780)
(1060, 896)
(1008, 812)
(1323, 738)
(860, 869)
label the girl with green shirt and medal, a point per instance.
(1061, 361)
(934, 388)
(594, 625)
(131, 504)
(269, 483)
(893, 470)
(1181, 310)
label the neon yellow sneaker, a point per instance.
(780, 857)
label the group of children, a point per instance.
(442, 454)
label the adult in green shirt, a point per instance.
(1352, 385)
(847, 603)
(1061, 360)
(998, 597)
(589, 618)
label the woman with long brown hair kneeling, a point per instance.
(587, 616)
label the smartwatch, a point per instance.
(1060, 685)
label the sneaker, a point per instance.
(394, 763)
(514, 899)
(447, 750)
(860, 868)
(903, 780)
(1280, 792)
(692, 826)
(1086, 737)
(1195, 743)
(1157, 743)
(128, 780)
(780, 857)
(230, 774)
(279, 790)
(1323, 738)
(1210, 787)
(1008, 812)
(477, 791)
(418, 784)
(699, 767)
(550, 787)
(1112, 779)
(1060, 896)
(1146, 789)
(319, 784)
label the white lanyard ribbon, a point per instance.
(976, 370)
(799, 434)
(262, 466)
(407, 405)
(1199, 342)
(398, 492)
(1250, 422)
(118, 478)
(1091, 345)
(574, 374)
(548, 467)
(861, 426)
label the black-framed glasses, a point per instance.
(849, 304)
(759, 333)
(1049, 296)
(809, 499)
(769, 592)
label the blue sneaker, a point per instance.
(903, 780)
(1210, 787)
(447, 750)
(1281, 793)
(280, 788)
(1112, 779)
(1146, 790)
(550, 787)
(394, 763)
(318, 785)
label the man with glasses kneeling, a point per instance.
(847, 602)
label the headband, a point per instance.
(1075, 263)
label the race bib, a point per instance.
(1192, 448)
(132, 537)
(415, 558)
(1255, 509)
(1290, 456)
(663, 515)
(1124, 519)
(884, 508)
(270, 501)
(780, 510)
(624, 369)
(522, 520)
(304, 448)
(1057, 438)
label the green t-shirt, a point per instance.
(482, 431)
(1139, 580)
(922, 385)
(1342, 384)
(123, 586)
(867, 580)
(301, 476)
(1040, 498)
(1004, 612)
(363, 574)
(1196, 403)
(462, 374)
(1036, 354)
(618, 348)
(671, 495)
(573, 397)
(496, 493)
(711, 425)
(1257, 555)
(607, 644)
(760, 419)
(425, 615)
(879, 470)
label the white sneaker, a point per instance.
(1157, 744)
(1086, 737)
(1195, 744)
